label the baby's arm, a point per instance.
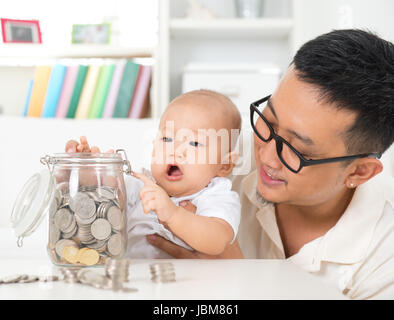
(208, 235)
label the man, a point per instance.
(317, 198)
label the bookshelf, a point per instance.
(222, 39)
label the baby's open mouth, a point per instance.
(173, 172)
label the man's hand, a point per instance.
(232, 251)
(155, 198)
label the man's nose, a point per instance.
(268, 154)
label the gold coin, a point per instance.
(89, 257)
(70, 254)
(80, 252)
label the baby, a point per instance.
(192, 156)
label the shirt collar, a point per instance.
(349, 239)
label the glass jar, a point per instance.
(84, 195)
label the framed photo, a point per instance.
(91, 33)
(21, 31)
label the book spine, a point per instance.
(53, 91)
(139, 102)
(28, 95)
(126, 90)
(41, 78)
(87, 92)
(67, 91)
(101, 91)
(113, 89)
(72, 108)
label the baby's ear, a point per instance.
(228, 163)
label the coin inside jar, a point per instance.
(63, 219)
(83, 205)
(101, 229)
(114, 216)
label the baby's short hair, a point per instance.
(220, 100)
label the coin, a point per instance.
(29, 279)
(114, 245)
(61, 244)
(63, 219)
(94, 279)
(83, 205)
(70, 254)
(89, 257)
(12, 278)
(101, 229)
(115, 217)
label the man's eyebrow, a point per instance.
(308, 141)
(271, 107)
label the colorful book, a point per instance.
(140, 102)
(114, 89)
(53, 91)
(87, 92)
(67, 91)
(126, 89)
(79, 82)
(40, 84)
(103, 83)
(28, 95)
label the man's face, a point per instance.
(314, 128)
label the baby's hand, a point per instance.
(154, 198)
(83, 146)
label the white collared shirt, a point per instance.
(356, 255)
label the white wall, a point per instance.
(314, 17)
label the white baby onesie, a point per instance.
(215, 200)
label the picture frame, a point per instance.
(91, 33)
(21, 31)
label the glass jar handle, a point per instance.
(48, 161)
(126, 163)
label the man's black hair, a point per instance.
(354, 70)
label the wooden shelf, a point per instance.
(231, 28)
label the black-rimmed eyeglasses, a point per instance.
(288, 155)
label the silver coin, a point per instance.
(63, 219)
(94, 279)
(114, 245)
(54, 233)
(83, 205)
(107, 193)
(29, 279)
(101, 229)
(12, 279)
(115, 217)
(71, 227)
(88, 221)
(68, 235)
(48, 278)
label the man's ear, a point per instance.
(228, 163)
(362, 170)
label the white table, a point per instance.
(195, 279)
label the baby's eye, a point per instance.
(167, 139)
(195, 144)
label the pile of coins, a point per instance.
(116, 274)
(86, 227)
(25, 278)
(162, 272)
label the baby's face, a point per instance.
(189, 149)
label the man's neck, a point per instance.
(299, 225)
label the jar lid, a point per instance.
(85, 158)
(32, 203)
